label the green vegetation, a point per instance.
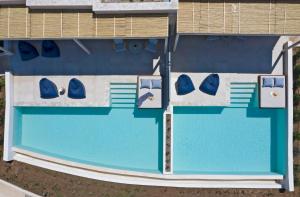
(296, 70)
(296, 135)
(296, 115)
(2, 101)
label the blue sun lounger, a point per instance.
(50, 49)
(27, 51)
(76, 89)
(184, 85)
(210, 84)
(48, 89)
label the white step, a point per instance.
(241, 85)
(239, 105)
(240, 100)
(125, 86)
(123, 96)
(119, 105)
(242, 90)
(123, 91)
(113, 100)
(237, 95)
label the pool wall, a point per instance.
(9, 116)
(288, 182)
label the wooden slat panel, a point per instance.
(216, 16)
(36, 24)
(105, 26)
(145, 26)
(87, 24)
(278, 17)
(121, 26)
(17, 22)
(292, 24)
(241, 16)
(70, 24)
(232, 16)
(200, 16)
(185, 17)
(53, 24)
(3, 22)
(254, 17)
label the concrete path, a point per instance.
(10, 190)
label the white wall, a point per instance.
(8, 124)
(288, 182)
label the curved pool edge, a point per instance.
(148, 179)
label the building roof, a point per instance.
(21, 22)
(239, 17)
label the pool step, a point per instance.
(241, 94)
(123, 91)
(123, 100)
(242, 90)
(123, 105)
(125, 86)
(239, 105)
(123, 95)
(240, 100)
(242, 85)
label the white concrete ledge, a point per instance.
(8, 189)
(9, 117)
(135, 7)
(12, 2)
(59, 4)
(288, 71)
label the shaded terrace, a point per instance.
(248, 55)
(103, 60)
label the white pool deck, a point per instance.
(27, 91)
(236, 63)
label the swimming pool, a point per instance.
(121, 138)
(216, 140)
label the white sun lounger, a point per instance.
(272, 97)
(149, 98)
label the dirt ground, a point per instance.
(53, 184)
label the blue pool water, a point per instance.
(128, 138)
(214, 140)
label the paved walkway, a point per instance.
(10, 190)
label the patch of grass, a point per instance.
(296, 115)
(296, 99)
(297, 135)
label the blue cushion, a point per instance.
(152, 45)
(279, 82)
(268, 82)
(50, 49)
(210, 84)
(145, 83)
(156, 83)
(119, 45)
(76, 89)
(48, 89)
(27, 51)
(184, 85)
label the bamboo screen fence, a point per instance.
(239, 17)
(17, 22)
